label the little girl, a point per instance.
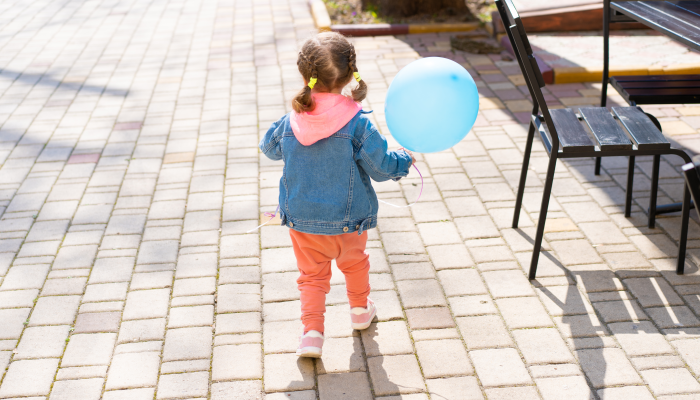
(330, 151)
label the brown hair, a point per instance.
(330, 58)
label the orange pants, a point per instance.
(314, 254)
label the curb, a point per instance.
(320, 15)
(323, 24)
(595, 74)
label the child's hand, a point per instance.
(413, 159)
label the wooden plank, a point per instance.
(672, 22)
(607, 131)
(572, 136)
(642, 130)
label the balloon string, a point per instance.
(267, 214)
(419, 194)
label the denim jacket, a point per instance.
(325, 188)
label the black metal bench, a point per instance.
(678, 20)
(565, 134)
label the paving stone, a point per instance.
(181, 317)
(55, 310)
(187, 344)
(653, 292)
(465, 387)
(672, 317)
(499, 367)
(18, 298)
(572, 252)
(640, 338)
(162, 251)
(566, 387)
(283, 336)
(244, 390)
(627, 392)
(587, 325)
(83, 389)
(196, 265)
(387, 338)
(75, 257)
(280, 287)
(670, 381)
(142, 330)
(97, 322)
(441, 358)
(402, 243)
(507, 284)
(421, 293)
(607, 367)
(108, 270)
(238, 323)
(459, 282)
(430, 318)
(49, 230)
(133, 370)
(472, 305)
(238, 298)
(92, 349)
(42, 342)
(410, 271)
(341, 355)
(484, 332)
(395, 374)
(25, 277)
(689, 350)
(563, 300)
(288, 372)
(643, 363)
(29, 378)
(523, 312)
(151, 280)
(193, 384)
(517, 392)
(439, 233)
(132, 394)
(240, 246)
(144, 304)
(351, 385)
(540, 346)
(450, 256)
(184, 366)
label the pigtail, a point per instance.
(360, 92)
(303, 102)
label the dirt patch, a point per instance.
(351, 12)
(475, 45)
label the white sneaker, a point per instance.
(310, 344)
(361, 318)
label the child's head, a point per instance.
(330, 58)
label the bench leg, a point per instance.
(597, 165)
(523, 175)
(654, 191)
(684, 230)
(630, 187)
(543, 216)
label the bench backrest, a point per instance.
(526, 60)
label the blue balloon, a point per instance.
(431, 105)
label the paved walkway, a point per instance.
(130, 177)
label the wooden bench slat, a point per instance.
(572, 136)
(607, 132)
(672, 21)
(642, 130)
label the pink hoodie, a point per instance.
(332, 112)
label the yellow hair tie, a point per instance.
(312, 82)
(357, 76)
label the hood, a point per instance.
(332, 112)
